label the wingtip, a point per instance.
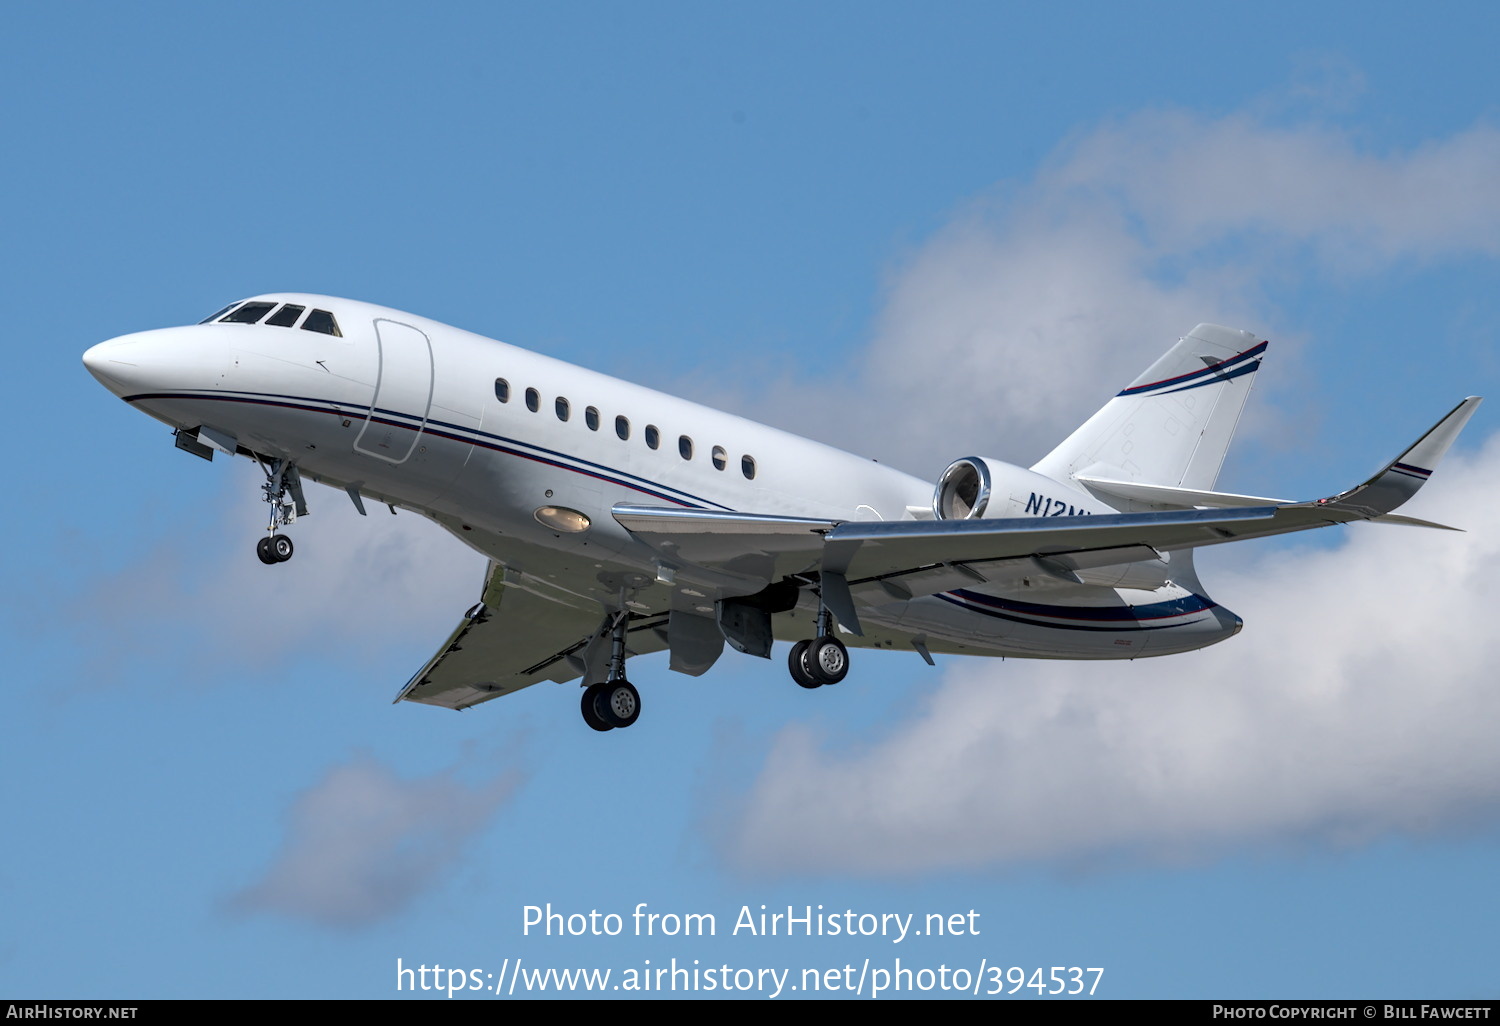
(1429, 450)
(1401, 478)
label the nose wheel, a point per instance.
(283, 491)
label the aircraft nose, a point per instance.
(127, 365)
(106, 363)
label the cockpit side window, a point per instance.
(322, 321)
(286, 316)
(213, 317)
(250, 313)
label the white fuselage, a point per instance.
(407, 411)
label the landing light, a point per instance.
(560, 518)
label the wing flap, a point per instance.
(874, 550)
(745, 547)
(511, 639)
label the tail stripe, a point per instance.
(1247, 362)
(1153, 434)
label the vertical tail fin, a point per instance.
(1172, 425)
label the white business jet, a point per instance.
(619, 521)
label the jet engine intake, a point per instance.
(963, 492)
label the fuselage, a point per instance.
(508, 448)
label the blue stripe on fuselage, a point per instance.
(496, 443)
(1109, 618)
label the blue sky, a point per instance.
(917, 234)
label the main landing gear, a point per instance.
(282, 480)
(616, 702)
(824, 659)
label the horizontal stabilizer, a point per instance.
(1165, 495)
(1397, 482)
(1404, 521)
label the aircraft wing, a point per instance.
(513, 638)
(925, 557)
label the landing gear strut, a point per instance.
(824, 659)
(282, 480)
(616, 702)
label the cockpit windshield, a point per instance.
(250, 313)
(287, 315)
(215, 316)
(322, 320)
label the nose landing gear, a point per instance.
(282, 481)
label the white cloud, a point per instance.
(361, 844)
(1190, 180)
(1041, 299)
(1014, 324)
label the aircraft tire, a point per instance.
(281, 547)
(827, 659)
(263, 551)
(801, 670)
(591, 710)
(619, 703)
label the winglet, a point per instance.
(1431, 447)
(1400, 479)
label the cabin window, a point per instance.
(502, 390)
(286, 316)
(221, 313)
(591, 418)
(685, 446)
(250, 313)
(747, 467)
(622, 428)
(653, 437)
(533, 400)
(322, 322)
(564, 411)
(721, 458)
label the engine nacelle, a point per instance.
(964, 490)
(981, 486)
(976, 486)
